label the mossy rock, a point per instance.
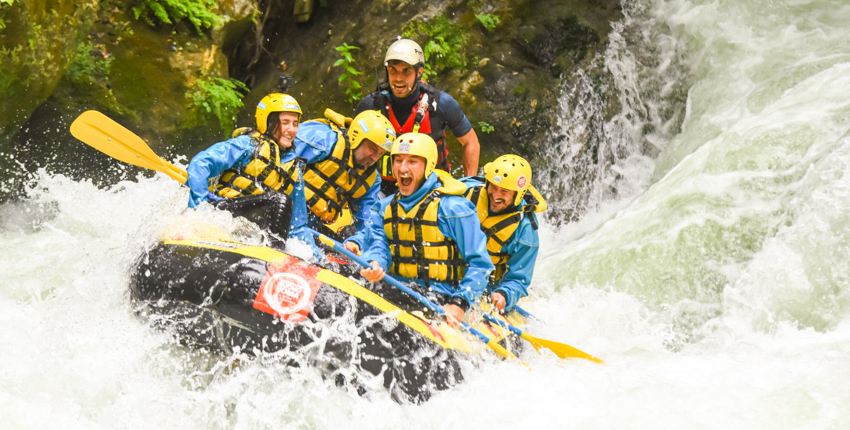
(512, 75)
(38, 43)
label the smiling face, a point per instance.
(367, 154)
(402, 77)
(409, 171)
(500, 198)
(286, 129)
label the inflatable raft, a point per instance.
(218, 293)
(224, 295)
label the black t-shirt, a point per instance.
(447, 115)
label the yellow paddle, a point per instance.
(560, 349)
(107, 136)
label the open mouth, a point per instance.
(405, 182)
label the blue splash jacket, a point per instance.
(522, 248)
(236, 153)
(315, 142)
(457, 220)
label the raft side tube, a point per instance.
(228, 296)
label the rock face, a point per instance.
(508, 77)
(38, 44)
(503, 60)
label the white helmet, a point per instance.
(406, 50)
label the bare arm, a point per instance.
(471, 150)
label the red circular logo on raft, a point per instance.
(287, 293)
(521, 182)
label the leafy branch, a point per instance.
(352, 87)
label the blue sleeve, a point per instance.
(209, 163)
(522, 250)
(378, 248)
(298, 227)
(361, 205)
(314, 141)
(456, 120)
(458, 220)
(471, 181)
(362, 236)
(359, 238)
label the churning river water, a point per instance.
(714, 280)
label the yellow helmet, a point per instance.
(275, 102)
(511, 172)
(370, 124)
(405, 50)
(417, 144)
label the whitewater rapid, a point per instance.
(714, 282)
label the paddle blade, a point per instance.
(560, 349)
(107, 136)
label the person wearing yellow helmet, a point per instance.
(506, 203)
(427, 233)
(340, 169)
(412, 105)
(244, 172)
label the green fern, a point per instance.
(198, 12)
(489, 21)
(220, 97)
(443, 46)
(352, 87)
(8, 3)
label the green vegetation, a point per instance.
(489, 21)
(198, 12)
(26, 55)
(6, 2)
(219, 96)
(352, 87)
(485, 127)
(90, 61)
(443, 46)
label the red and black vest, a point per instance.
(418, 122)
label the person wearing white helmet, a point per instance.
(412, 105)
(506, 203)
(255, 173)
(426, 233)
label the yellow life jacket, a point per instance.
(499, 228)
(263, 173)
(330, 184)
(418, 248)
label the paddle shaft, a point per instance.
(560, 349)
(422, 299)
(523, 312)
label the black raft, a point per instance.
(219, 294)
